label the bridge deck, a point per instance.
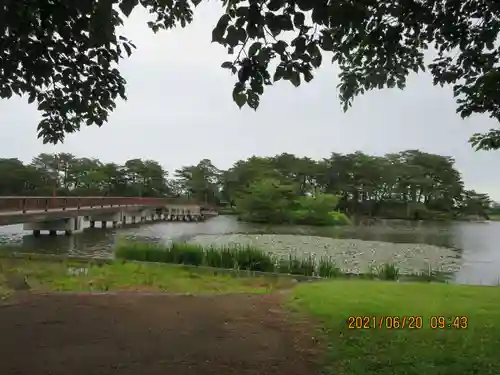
(14, 210)
(13, 204)
(68, 209)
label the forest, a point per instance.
(409, 184)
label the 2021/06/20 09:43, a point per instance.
(408, 322)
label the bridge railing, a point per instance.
(25, 204)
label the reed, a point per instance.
(251, 259)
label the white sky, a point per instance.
(180, 110)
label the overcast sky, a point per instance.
(180, 110)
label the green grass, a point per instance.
(382, 351)
(494, 217)
(127, 276)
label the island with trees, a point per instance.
(284, 188)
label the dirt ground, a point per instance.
(152, 335)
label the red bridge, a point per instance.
(65, 213)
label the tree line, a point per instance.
(408, 184)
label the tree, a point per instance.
(20, 179)
(317, 210)
(49, 167)
(145, 177)
(64, 174)
(266, 200)
(200, 181)
(409, 184)
(474, 203)
(64, 55)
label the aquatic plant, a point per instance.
(388, 271)
(328, 268)
(249, 258)
(253, 259)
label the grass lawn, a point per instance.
(57, 276)
(494, 217)
(425, 351)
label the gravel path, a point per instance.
(351, 255)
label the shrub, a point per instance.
(338, 218)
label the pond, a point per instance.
(474, 243)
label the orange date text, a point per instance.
(385, 322)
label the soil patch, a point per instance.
(131, 333)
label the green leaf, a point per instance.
(256, 87)
(242, 34)
(285, 22)
(43, 106)
(308, 76)
(227, 65)
(127, 49)
(220, 28)
(280, 73)
(299, 19)
(295, 78)
(305, 5)
(300, 45)
(315, 53)
(127, 6)
(327, 42)
(233, 37)
(242, 12)
(280, 47)
(239, 96)
(275, 5)
(316, 60)
(254, 48)
(273, 23)
(32, 98)
(253, 99)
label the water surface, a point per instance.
(476, 243)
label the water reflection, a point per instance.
(475, 242)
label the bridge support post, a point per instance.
(66, 225)
(92, 224)
(104, 218)
(115, 224)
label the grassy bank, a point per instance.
(405, 351)
(252, 259)
(124, 276)
(494, 217)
